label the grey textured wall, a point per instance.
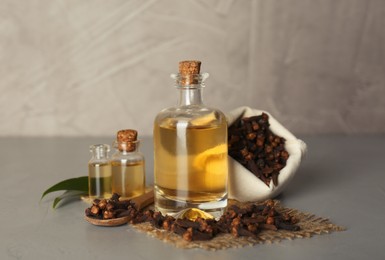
(74, 68)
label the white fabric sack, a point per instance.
(243, 184)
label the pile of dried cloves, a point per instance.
(252, 144)
(110, 208)
(239, 221)
(251, 219)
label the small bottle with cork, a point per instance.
(127, 165)
(99, 172)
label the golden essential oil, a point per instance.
(99, 180)
(128, 179)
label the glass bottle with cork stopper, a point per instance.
(99, 172)
(127, 165)
(190, 149)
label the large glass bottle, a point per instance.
(190, 149)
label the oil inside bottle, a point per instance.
(99, 180)
(190, 171)
(128, 178)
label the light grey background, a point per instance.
(90, 68)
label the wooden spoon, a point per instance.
(141, 202)
(107, 222)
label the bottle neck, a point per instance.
(127, 147)
(99, 151)
(189, 96)
(190, 88)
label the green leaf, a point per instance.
(68, 195)
(74, 184)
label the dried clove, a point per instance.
(270, 221)
(238, 231)
(107, 214)
(178, 229)
(287, 226)
(194, 234)
(95, 210)
(269, 227)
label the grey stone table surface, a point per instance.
(341, 178)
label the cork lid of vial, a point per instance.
(188, 70)
(189, 67)
(127, 139)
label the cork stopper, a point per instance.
(189, 67)
(188, 70)
(127, 139)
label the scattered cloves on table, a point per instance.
(239, 221)
(252, 144)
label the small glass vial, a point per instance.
(99, 172)
(127, 165)
(190, 149)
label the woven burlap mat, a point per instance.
(309, 223)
